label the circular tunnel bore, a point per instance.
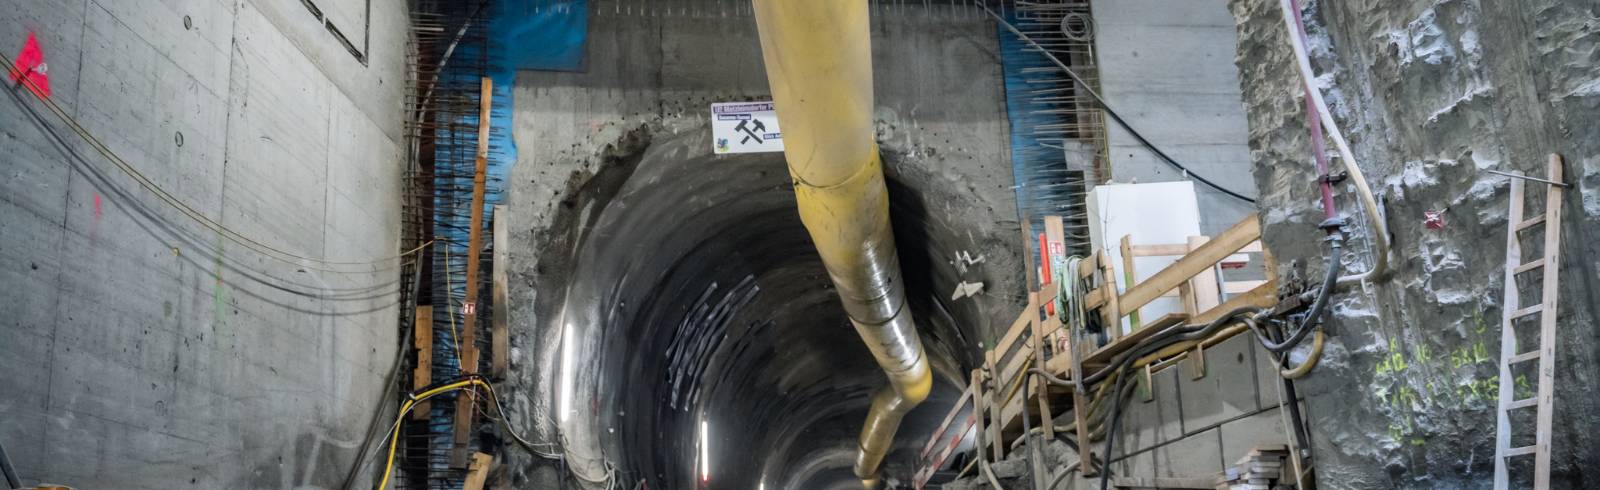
(696, 309)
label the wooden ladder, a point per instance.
(1546, 309)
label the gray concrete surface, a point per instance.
(143, 351)
(1431, 94)
(1164, 67)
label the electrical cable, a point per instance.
(1179, 334)
(12, 480)
(372, 426)
(1114, 116)
(1380, 232)
(473, 381)
(208, 254)
(1064, 474)
(182, 207)
(1314, 316)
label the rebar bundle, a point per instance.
(449, 56)
(1058, 132)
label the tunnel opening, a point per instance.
(700, 338)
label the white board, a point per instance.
(745, 127)
(1163, 213)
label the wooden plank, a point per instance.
(1236, 287)
(1520, 451)
(1113, 312)
(1128, 277)
(1080, 409)
(1173, 249)
(996, 408)
(1263, 296)
(1528, 266)
(1522, 312)
(1547, 324)
(477, 471)
(1530, 223)
(422, 376)
(1164, 250)
(1524, 357)
(1508, 339)
(1040, 387)
(1204, 284)
(980, 409)
(1013, 332)
(499, 296)
(469, 331)
(1230, 241)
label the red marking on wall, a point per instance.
(31, 68)
(1434, 220)
(94, 224)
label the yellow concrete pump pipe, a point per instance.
(818, 55)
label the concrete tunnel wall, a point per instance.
(129, 356)
(646, 91)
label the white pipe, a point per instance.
(1380, 233)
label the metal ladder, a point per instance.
(1546, 309)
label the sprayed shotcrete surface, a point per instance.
(1432, 93)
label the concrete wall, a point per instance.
(1432, 94)
(1164, 67)
(141, 350)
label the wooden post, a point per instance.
(979, 410)
(477, 471)
(996, 407)
(1113, 310)
(469, 309)
(423, 375)
(1041, 387)
(499, 341)
(1128, 278)
(1206, 295)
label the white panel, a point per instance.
(1153, 214)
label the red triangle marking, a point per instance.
(32, 68)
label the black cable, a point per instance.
(1114, 116)
(12, 480)
(1147, 346)
(1302, 435)
(1330, 277)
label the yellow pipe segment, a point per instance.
(818, 56)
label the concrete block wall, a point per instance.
(141, 350)
(1197, 427)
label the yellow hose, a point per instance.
(405, 408)
(1311, 361)
(818, 56)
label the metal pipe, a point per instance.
(818, 56)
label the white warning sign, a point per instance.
(745, 127)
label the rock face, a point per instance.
(1431, 94)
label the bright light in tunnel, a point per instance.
(564, 392)
(705, 452)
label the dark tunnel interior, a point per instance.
(704, 307)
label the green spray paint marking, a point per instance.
(219, 291)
